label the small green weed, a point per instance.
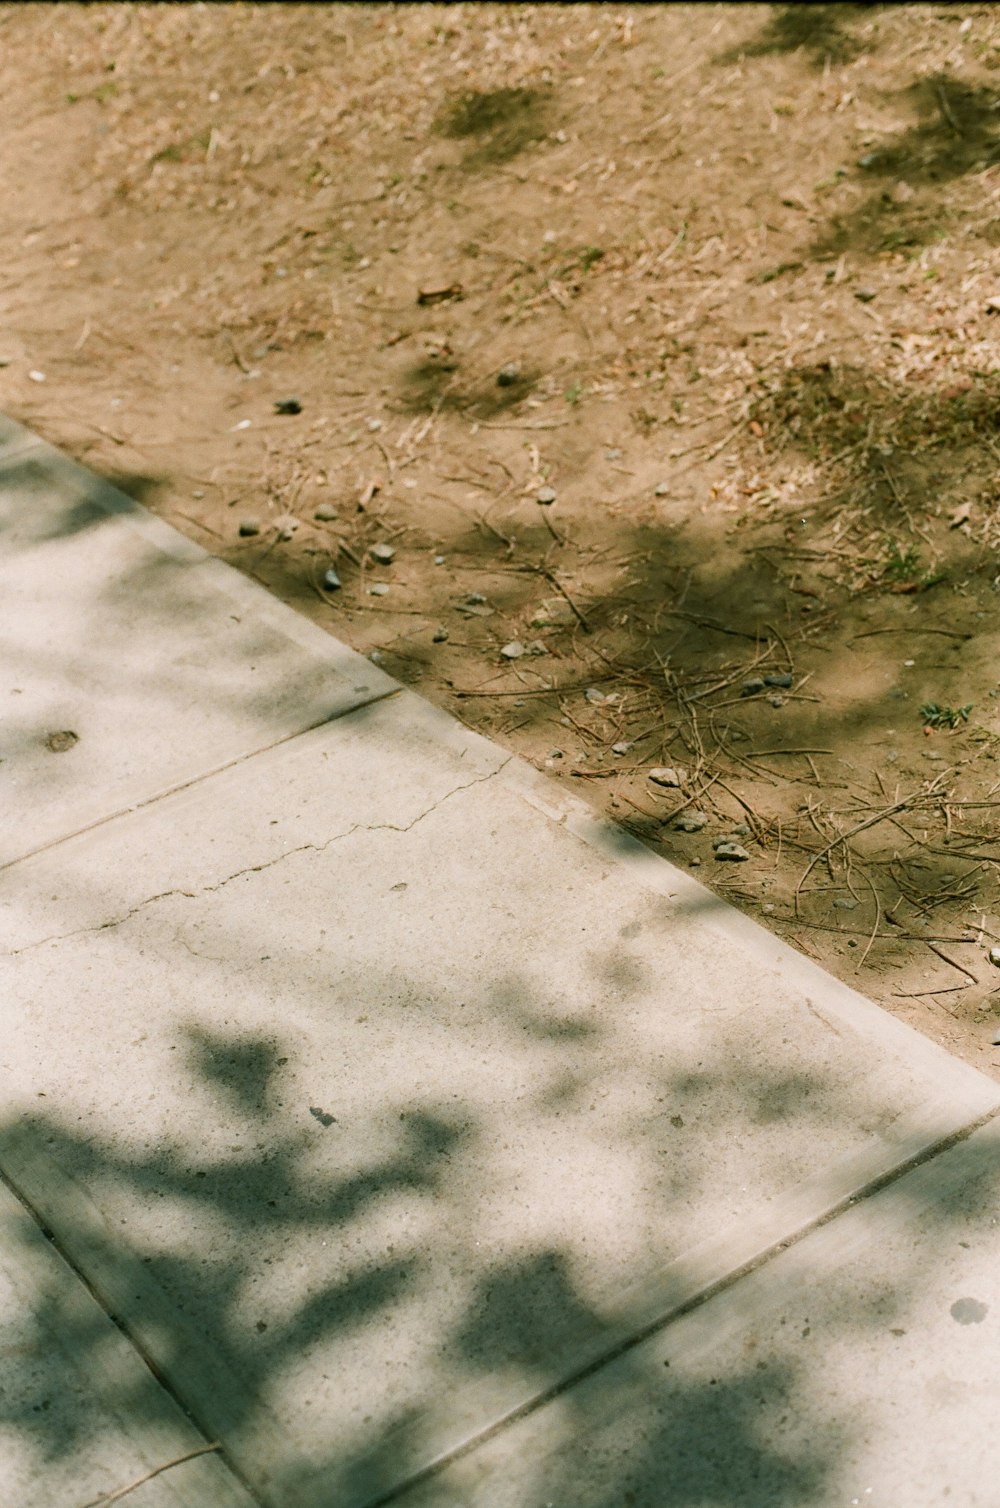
(944, 717)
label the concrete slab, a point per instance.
(131, 662)
(861, 1366)
(81, 1415)
(380, 1090)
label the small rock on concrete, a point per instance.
(666, 775)
(691, 822)
(734, 852)
(326, 513)
(751, 687)
(287, 406)
(62, 742)
(509, 375)
(546, 496)
(384, 554)
(331, 581)
(514, 650)
(249, 526)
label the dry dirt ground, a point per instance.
(723, 279)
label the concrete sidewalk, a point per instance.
(407, 1120)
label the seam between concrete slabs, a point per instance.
(193, 780)
(161, 1380)
(355, 827)
(678, 1311)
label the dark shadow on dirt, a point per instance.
(434, 384)
(821, 32)
(501, 123)
(957, 132)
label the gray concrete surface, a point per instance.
(80, 1413)
(163, 663)
(859, 1367)
(410, 1101)
(380, 1093)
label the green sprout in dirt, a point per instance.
(944, 717)
(905, 566)
(901, 565)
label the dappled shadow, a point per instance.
(957, 133)
(500, 123)
(821, 32)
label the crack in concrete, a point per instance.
(162, 895)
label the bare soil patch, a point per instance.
(658, 343)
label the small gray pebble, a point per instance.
(439, 560)
(751, 687)
(513, 651)
(845, 904)
(691, 822)
(197, 493)
(384, 554)
(735, 852)
(555, 753)
(865, 295)
(661, 490)
(546, 496)
(376, 656)
(326, 513)
(509, 375)
(536, 647)
(666, 775)
(594, 696)
(995, 956)
(996, 1039)
(741, 830)
(782, 679)
(475, 599)
(249, 526)
(694, 863)
(869, 159)
(620, 748)
(331, 581)
(380, 589)
(776, 701)
(613, 455)
(440, 635)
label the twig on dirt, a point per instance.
(949, 633)
(879, 816)
(766, 753)
(550, 577)
(960, 967)
(947, 111)
(114, 1497)
(236, 355)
